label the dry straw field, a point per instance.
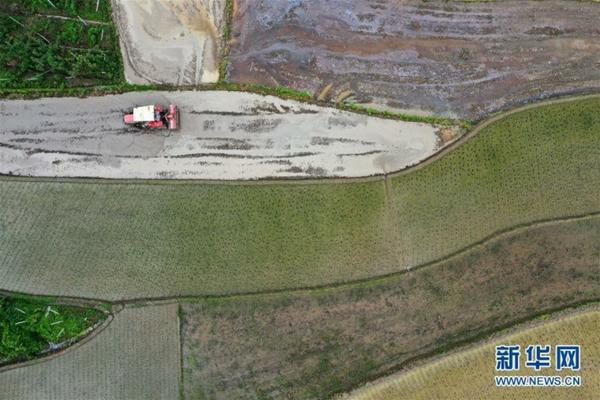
(470, 374)
(135, 358)
(129, 240)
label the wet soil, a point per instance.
(222, 135)
(456, 59)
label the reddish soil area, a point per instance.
(457, 59)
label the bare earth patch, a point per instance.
(170, 41)
(136, 357)
(223, 135)
(453, 58)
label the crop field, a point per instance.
(127, 240)
(523, 167)
(135, 357)
(312, 344)
(69, 45)
(470, 373)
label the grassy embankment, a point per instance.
(68, 45)
(29, 327)
(470, 374)
(312, 344)
(124, 240)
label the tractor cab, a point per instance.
(153, 117)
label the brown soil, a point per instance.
(313, 344)
(458, 59)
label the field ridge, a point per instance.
(86, 301)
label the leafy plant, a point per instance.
(28, 328)
(38, 50)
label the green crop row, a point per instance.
(119, 240)
(28, 328)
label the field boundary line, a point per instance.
(481, 339)
(147, 301)
(304, 181)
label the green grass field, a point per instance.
(45, 46)
(124, 240)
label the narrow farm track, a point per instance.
(222, 135)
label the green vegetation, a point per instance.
(430, 119)
(118, 240)
(226, 37)
(28, 328)
(33, 93)
(533, 165)
(331, 340)
(70, 45)
(134, 357)
(279, 91)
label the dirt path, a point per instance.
(458, 59)
(223, 135)
(170, 41)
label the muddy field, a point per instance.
(223, 135)
(457, 59)
(135, 357)
(170, 41)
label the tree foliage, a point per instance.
(39, 50)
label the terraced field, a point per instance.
(135, 357)
(128, 240)
(468, 375)
(312, 344)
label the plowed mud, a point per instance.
(457, 59)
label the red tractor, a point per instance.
(153, 117)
